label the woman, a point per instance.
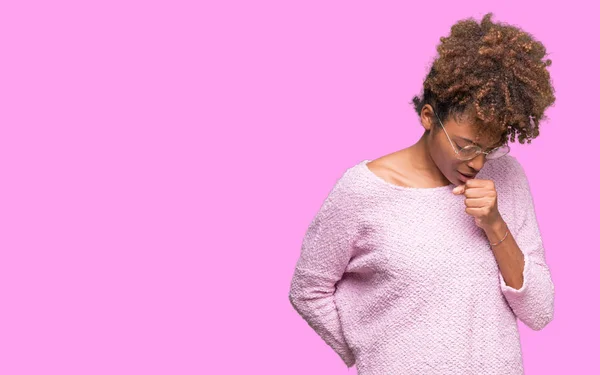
(421, 261)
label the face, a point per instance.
(463, 133)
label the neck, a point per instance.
(420, 159)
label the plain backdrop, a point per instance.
(161, 162)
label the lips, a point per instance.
(464, 177)
(467, 175)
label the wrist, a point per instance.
(496, 231)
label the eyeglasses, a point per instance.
(472, 151)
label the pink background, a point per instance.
(161, 162)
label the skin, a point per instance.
(431, 162)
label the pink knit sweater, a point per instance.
(400, 280)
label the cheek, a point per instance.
(452, 168)
(457, 166)
(448, 163)
(448, 167)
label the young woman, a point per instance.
(423, 260)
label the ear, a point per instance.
(426, 113)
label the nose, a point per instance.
(477, 162)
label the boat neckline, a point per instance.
(373, 176)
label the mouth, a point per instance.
(464, 177)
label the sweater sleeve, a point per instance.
(533, 303)
(325, 252)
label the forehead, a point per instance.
(464, 128)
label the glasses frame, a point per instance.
(479, 150)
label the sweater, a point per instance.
(400, 280)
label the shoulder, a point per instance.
(382, 168)
(394, 168)
(510, 177)
(515, 172)
(506, 170)
(350, 189)
(350, 183)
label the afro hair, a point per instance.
(493, 73)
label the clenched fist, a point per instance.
(480, 201)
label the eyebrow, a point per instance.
(477, 144)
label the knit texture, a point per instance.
(400, 280)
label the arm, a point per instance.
(509, 256)
(533, 301)
(325, 252)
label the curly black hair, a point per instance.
(495, 74)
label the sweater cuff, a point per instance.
(507, 289)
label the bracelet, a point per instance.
(494, 244)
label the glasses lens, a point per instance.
(498, 152)
(468, 152)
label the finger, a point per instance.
(475, 211)
(458, 189)
(476, 192)
(476, 182)
(477, 202)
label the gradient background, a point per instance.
(161, 161)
